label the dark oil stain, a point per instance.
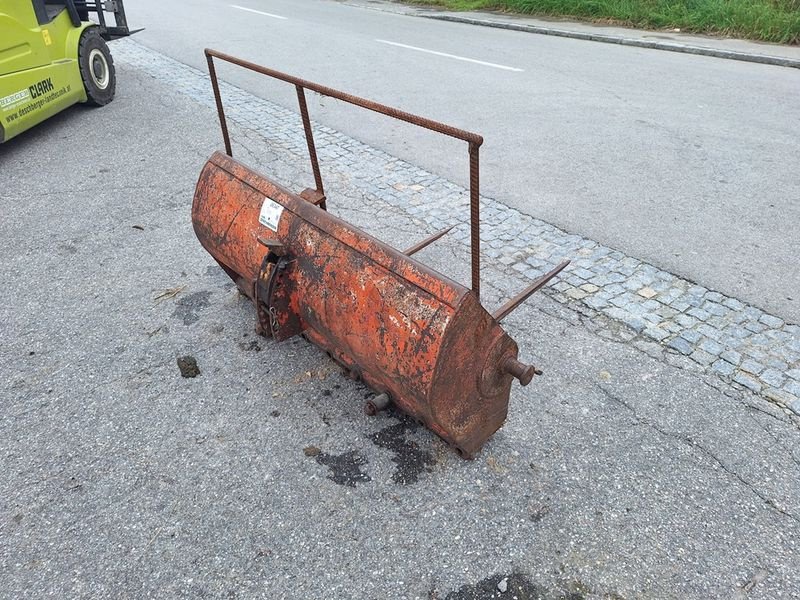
(577, 590)
(410, 459)
(188, 306)
(538, 512)
(218, 273)
(513, 585)
(253, 346)
(345, 468)
(73, 485)
(518, 586)
(67, 249)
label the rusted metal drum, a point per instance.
(409, 332)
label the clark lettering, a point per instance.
(41, 88)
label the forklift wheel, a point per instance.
(97, 68)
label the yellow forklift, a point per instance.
(53, 55)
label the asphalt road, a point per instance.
(617, 475)
(689, 163)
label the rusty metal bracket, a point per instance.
(284, 321)
(512, 304)
(427, 241)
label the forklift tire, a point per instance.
(97, 68)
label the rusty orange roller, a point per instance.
(421, 341)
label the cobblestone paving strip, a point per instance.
(661, 313)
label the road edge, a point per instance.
(765, 59)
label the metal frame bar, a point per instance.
(94, 6)
(473, 139)
(512, 304)
(100, 8)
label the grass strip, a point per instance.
(767, 20)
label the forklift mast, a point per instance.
(100, 8)
(79, 11)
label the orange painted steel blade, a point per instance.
(420, 340)
(406, 330)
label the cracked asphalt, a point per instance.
(617, 475)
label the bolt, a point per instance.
(376, 405)
(524, 373)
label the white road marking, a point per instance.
(259, 12)
(446, 55)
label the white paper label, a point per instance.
(271, 213)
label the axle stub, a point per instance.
(522, 372)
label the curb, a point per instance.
(763, 59)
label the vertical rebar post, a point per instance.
(473, 139)
(474, 217)
(220, 111)
(312, 149)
